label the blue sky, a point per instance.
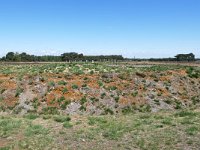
(140, 28)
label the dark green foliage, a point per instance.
(2, 91)
(62, 118)
(50, 110)
(193, 72)
(127, 110)
(100, 83)
(83, 108)
(64, 105)
(62, 82)
(108, 111)
(35, 103)
(178, 104)
(195, 100)
(103, 95)
(61, 99)
(134, 94)
(112, 88)
(74, 86)
(185, 57)
(18, 91)
(185, 113)
(65, 90)
(51, 84)
(116, 99)
(83, 100)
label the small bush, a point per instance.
(192, 130)
(18, 91)
(62, 82)
(51, 84)
(31, 116)
(103, 95)
(50, 110)
(134, 94)
(74, 86)
(116, 99)
(61, 99)
(62, 118)
(65, 90)
(100, 83)
(2, 91)
(83, 100)
(127, 110)
(33, 130)
(185, 113)
(108, 111)
(64, 105)
(94, 120)
(67, 125)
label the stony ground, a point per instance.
(97, 88)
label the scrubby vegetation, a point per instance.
(71, 88)
(99, 105)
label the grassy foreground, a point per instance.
(162, 130)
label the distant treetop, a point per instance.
(185, 57)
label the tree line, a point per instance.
(73, 57)
(65, 57)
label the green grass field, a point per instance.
(161, 130)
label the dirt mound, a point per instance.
(99, 90)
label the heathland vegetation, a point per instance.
(100, 105)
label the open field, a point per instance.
(99, 106)
(196, 63)
(154, 131)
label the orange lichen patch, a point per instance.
(111, 84)
(93, 85)
(131, 100)
(4, 77)
(76, 96)
(96, 94)
(140, 101)
(57, 92)
(182, 72)
(51, 100)
(79, 83)
(169, 72)
(163, 91)
(9, 85)
(10, 101)
(54, 94)
(124, 85)
(184, 97)
(165, 78)
(70, 95)
(124, 101)
(177, 72)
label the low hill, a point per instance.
(98, 88)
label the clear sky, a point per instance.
(140, 28)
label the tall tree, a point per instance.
(10, 56)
